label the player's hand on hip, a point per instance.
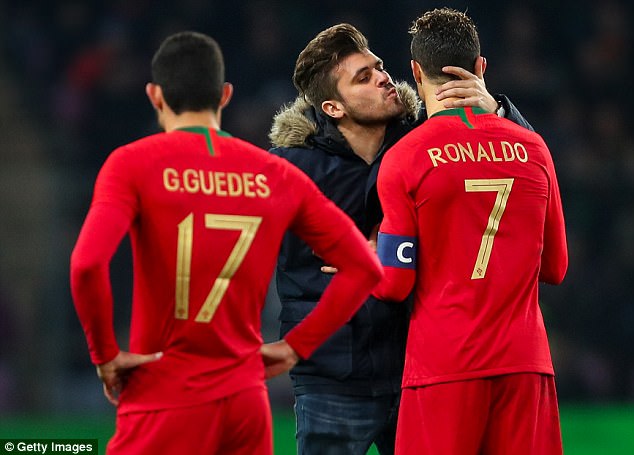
(470, 88)
(278, 357)
(114, 372)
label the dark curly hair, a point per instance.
(444, 37)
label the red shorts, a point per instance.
(511, 414)
(237, 424)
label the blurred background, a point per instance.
(72, 77)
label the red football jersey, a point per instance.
(473, 201)
(206, 213)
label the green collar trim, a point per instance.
(460, 112)
(205, 132)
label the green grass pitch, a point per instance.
(587, 429)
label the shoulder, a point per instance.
(414, 138)
(294, 170)
(140, 150)
(313, 161)
(304, 156)
(291, 127)
(521, 132)
(407, 155)
(145, 142)
(236, 143)
(274, 158)
(129, 154)
(290, 153)
(285, 172)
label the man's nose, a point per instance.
(382, 78)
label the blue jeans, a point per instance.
(329, 424)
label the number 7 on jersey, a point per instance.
(503, 189)
(247, 225)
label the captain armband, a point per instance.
(396, 250)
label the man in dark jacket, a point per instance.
(348, 114)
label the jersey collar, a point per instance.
(463, 112)
(205, 132)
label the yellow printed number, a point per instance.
(503, 189)
(247, 225)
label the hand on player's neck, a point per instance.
(427, 89)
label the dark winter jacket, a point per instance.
(366, 356)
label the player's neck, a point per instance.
(432, 105)
(207, 119)
(364, 140)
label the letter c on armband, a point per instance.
(396, 250)
(399, 252)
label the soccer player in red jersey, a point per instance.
(473, 220)
(206, 213)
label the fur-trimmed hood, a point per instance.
(292, 127)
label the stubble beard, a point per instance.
(370, 117)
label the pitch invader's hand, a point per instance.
(329, 269)
(470, 88)
(114, 372)
(278, 357)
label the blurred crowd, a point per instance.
(72, 76)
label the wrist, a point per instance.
(500, 111)
(292, 352)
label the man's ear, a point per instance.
(417, 71)
(480, 66)
(155, 95)
(333, 109)
(227, 93)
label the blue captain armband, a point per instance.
(396, 250)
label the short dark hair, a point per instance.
(444, 37)
(190, 69)
(313, 75)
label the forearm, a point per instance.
(395, 286)
(90, 279)
(90, 288)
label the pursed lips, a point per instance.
(391, 92)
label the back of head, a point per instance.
(444, 37)
(314, 76)
(190, 69)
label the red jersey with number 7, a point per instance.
(206, 214)
(473, 220)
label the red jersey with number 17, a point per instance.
(206, 214)
(478, 198)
